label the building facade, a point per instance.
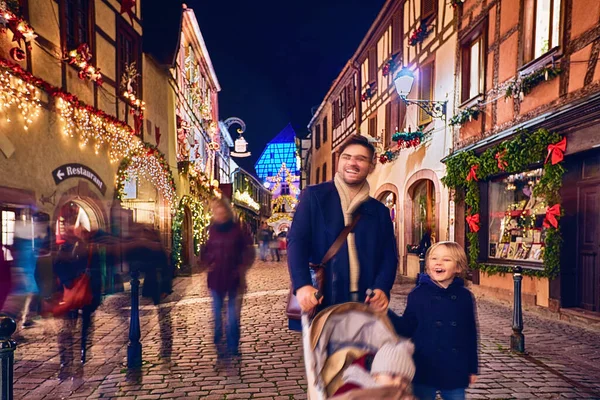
(527, 73)
(73, 126)
(278, 167)
(363, 100)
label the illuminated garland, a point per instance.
(467, 115)
(151, 164)
(278, 217)
(287, 199)
(522, 86)
(289, 179)
(78, 117)
(14, 92)
(20, 29)
(200, 223)
(246, 199)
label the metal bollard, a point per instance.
(421, 267)
(134, 349)
(7, 354)
(517, 340)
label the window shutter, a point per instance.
(397, 32)
(373, 126)
(373, 65)
(324, 171)
(324, 129)
(428, 8)
(401, 115)
(389, 130)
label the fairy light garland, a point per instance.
(246, 199)
(200, 222)
(289, 179)
(16, 93)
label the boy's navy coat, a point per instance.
(442, 325)
(317, 223)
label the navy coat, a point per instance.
(318, 221)
(443, 327)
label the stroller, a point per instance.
(335, 338)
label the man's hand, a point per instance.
(379, 301)
(306, 298)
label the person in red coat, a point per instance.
(228, 253)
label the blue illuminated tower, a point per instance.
(278, 167)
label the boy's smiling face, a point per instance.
(441, 266)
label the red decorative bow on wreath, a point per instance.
(556, 151)
(551, 214)
(473, 221)
(473, 173)
(502, 164)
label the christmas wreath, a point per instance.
(464, 170)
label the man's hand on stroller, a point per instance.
(378, 300)
(307, 298)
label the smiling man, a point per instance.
(368, 258)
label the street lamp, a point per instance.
(403, 81)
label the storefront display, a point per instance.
(516, 218)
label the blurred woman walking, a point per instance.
(228, 254)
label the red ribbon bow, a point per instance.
(473, 173)
(473, 221)
(502, 164)
(556, 151)
(127, 7)
(551, 214)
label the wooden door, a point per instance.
(589, 246)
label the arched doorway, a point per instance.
(423, 213)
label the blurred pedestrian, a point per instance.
(149, 255)
(228, 254)
(274, 246)
(440, 319)
(5, 278)
(264, 237)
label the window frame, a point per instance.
(528, 57)
(89, 31)
(478, 34)
(125, 30)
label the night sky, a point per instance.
(275, 60)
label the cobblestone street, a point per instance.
(180, 359)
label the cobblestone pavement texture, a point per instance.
(180, 360)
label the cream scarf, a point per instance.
(348, 208)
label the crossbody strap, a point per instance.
(339, 241)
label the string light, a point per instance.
(290, 179)
(200, 222)
(16, 93)
(246, 199)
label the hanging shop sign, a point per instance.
(68, 171)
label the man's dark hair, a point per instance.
(358, 140)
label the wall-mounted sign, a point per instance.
(68, 171)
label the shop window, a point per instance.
(516, 218)
(426, 90)
(423, 209)
(472, 66)
(541, 28)
(8, 232)
(389, 199)
(76, 17)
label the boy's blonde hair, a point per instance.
(456, 252)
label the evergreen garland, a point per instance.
(466, 115)
(518, 154)
(521, 87)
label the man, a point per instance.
(368, 259)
